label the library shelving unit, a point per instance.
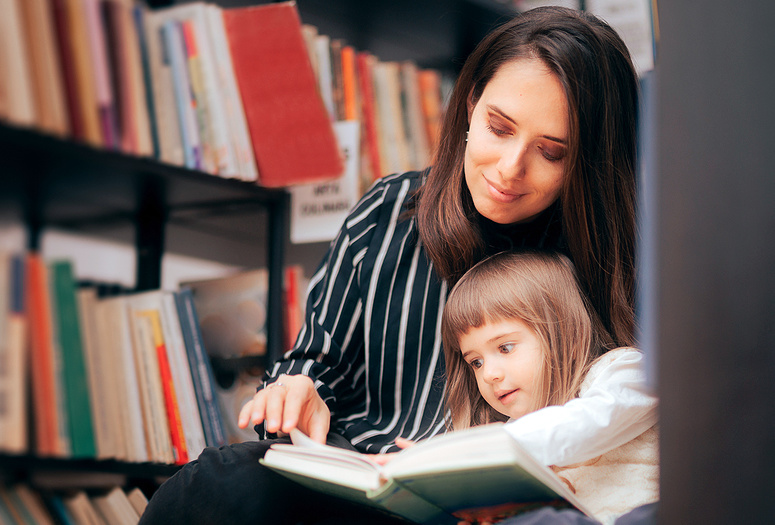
(52, 182)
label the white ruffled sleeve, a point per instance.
(614, 407)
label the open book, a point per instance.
(467, 474)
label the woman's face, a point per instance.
(517, 143)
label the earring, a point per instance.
(466, 136)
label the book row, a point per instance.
(20, 504)
(89, 374)
(244, 92)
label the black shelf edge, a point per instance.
(10, 463)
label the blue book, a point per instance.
(201, 370)
(175, 55)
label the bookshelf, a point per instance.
(48, 181)
(52, 182)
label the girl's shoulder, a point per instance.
(622, 360)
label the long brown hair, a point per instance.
(596, 206)
(541, 290)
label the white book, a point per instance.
(116, 341)
(235, 111)
(15, 75)
(101, 389)
(181, 374)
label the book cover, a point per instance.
(292, 135)
(34, 503)
(181, 374)
(232, 312)
(464, 475)
(414, 124)
(75, 42)
(125, 396)
(201, 369)
(234, 111)
(13, 355)
(115, 507)
(175, 53)
(74, 374)
(146, 105)
(104, 414)
(107, 107)
(43, 380)
(17, 103)
(47, 81)
(371, 141)
(158, 72)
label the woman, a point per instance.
(548, 104)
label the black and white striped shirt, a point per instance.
(371, 341)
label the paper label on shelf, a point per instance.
(318, 210)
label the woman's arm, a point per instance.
(614, 407)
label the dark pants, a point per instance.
(228, 485)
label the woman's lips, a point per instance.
(501, 195)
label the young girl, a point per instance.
(522, 345)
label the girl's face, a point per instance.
(506, 358)
(517, 143)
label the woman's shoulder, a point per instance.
(389, 193)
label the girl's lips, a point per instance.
(506, 397)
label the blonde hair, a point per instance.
(540, 289)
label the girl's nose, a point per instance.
(492, 372)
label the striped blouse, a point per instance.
(371, 341)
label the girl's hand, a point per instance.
(290, 402)
(383, 459)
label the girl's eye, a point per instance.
(475, 364)
(506, 348)
(497, 131)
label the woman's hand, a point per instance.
(290, 402)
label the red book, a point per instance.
(179, 448)
(44, 400)
(368, 109)
(293, 138)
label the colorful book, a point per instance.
(74, 374)
(292, 135)
(175, 52)
(17, 103)
(171, 406)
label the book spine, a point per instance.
(138, 14)
(177, 436)
(204, 381)
(41, 358)
(175, 54)
(74, 374)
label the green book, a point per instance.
(74, 373)
(465, 475)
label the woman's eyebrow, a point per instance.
(499, 111)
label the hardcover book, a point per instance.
(291, 131)
(467, 475)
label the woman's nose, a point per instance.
(512, 163)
